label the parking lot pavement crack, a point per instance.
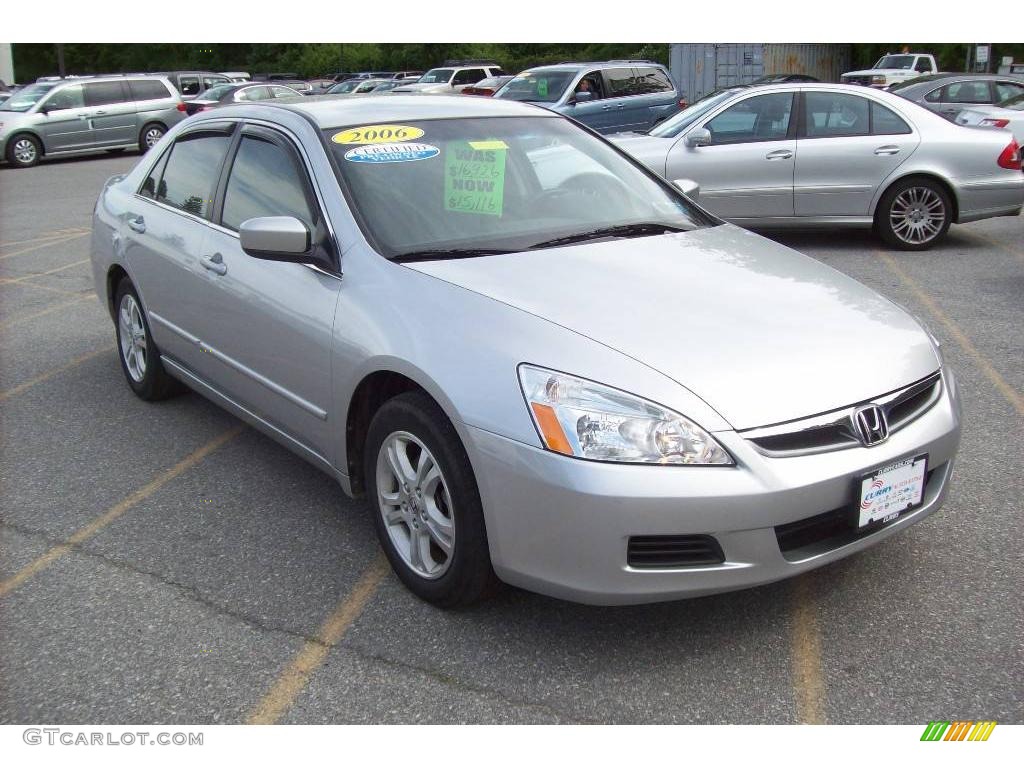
(190, 592)
(454, 682)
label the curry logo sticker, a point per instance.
(391, 153)
(377, 134)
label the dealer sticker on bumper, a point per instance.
(891, 490)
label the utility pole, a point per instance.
(60, 59)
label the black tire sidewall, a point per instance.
(884, 228)
(145, 129)
(10, 150)
(156, 384)
(470, 575)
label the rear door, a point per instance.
(269, 324)
(656, 97)
(747, 171)
(66, 124)
(165, 234)
(847, 146)
(624, 111)
(113, 115)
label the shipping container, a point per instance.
(700, 68)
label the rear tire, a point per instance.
(914, 214)
(140, 359)
(150, 134)
(425, 502)
(23, 150)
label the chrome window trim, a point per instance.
(842, 419)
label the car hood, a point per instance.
(652, 151)
(760, 332)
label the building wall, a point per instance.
(700, 68)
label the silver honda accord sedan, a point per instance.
(574, 381)
(820, 155)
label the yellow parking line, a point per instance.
(808, 681)
(8, 393)
(90, 530)
(46, 244)
(1012, 395)
(13, 280)
(55, 235)
(314, 652)
(48, 310)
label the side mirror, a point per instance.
(582, 96)
(698, 137)
(688, 187)
(276, 238)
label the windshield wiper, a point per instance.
(438, 254)
(641, 229)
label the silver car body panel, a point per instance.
(773, 335)
(835, 181)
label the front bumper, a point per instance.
(560, 526)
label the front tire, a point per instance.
(425, 502)
(24, 150)
(140, 359)
(914, 214)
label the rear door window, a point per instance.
(193, 168)
(885, 122)
(652, 80)
(145, 90)
(968, 92)
(836, 114)
(98, 94)
(468, 76)
(621, 82)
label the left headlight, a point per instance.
(582, 418)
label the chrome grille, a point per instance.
(835, 430)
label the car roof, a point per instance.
(328, 111)
(575, 65)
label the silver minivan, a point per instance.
(79, 114)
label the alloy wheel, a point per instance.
(917, 215)
(25, 151)
(414, 502)
(132, 337)
(152, 136)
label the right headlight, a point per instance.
(582, 418)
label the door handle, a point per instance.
(606, 106)
(779, 154)
(137, 224)
(101, 112)
(888, 149)
(214, 263)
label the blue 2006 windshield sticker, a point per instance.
(391, 153)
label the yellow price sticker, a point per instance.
(377, 134)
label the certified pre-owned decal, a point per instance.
(377, 134)
(391, 153)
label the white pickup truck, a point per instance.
(893, 68)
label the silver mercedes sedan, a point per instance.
(819, 155)
(539, 362)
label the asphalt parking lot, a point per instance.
(163, 563)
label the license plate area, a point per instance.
(881, 496)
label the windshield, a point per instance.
(895, 62)
(437, 76)
(545, 86)
(215, 93)
(1014, 102)
(387, 86)
(441, 187)
(26, 98)
(685, 118)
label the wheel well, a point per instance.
(39, 140)
(930, 177)
(114, 276)
(372, 392)
(152, 122)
